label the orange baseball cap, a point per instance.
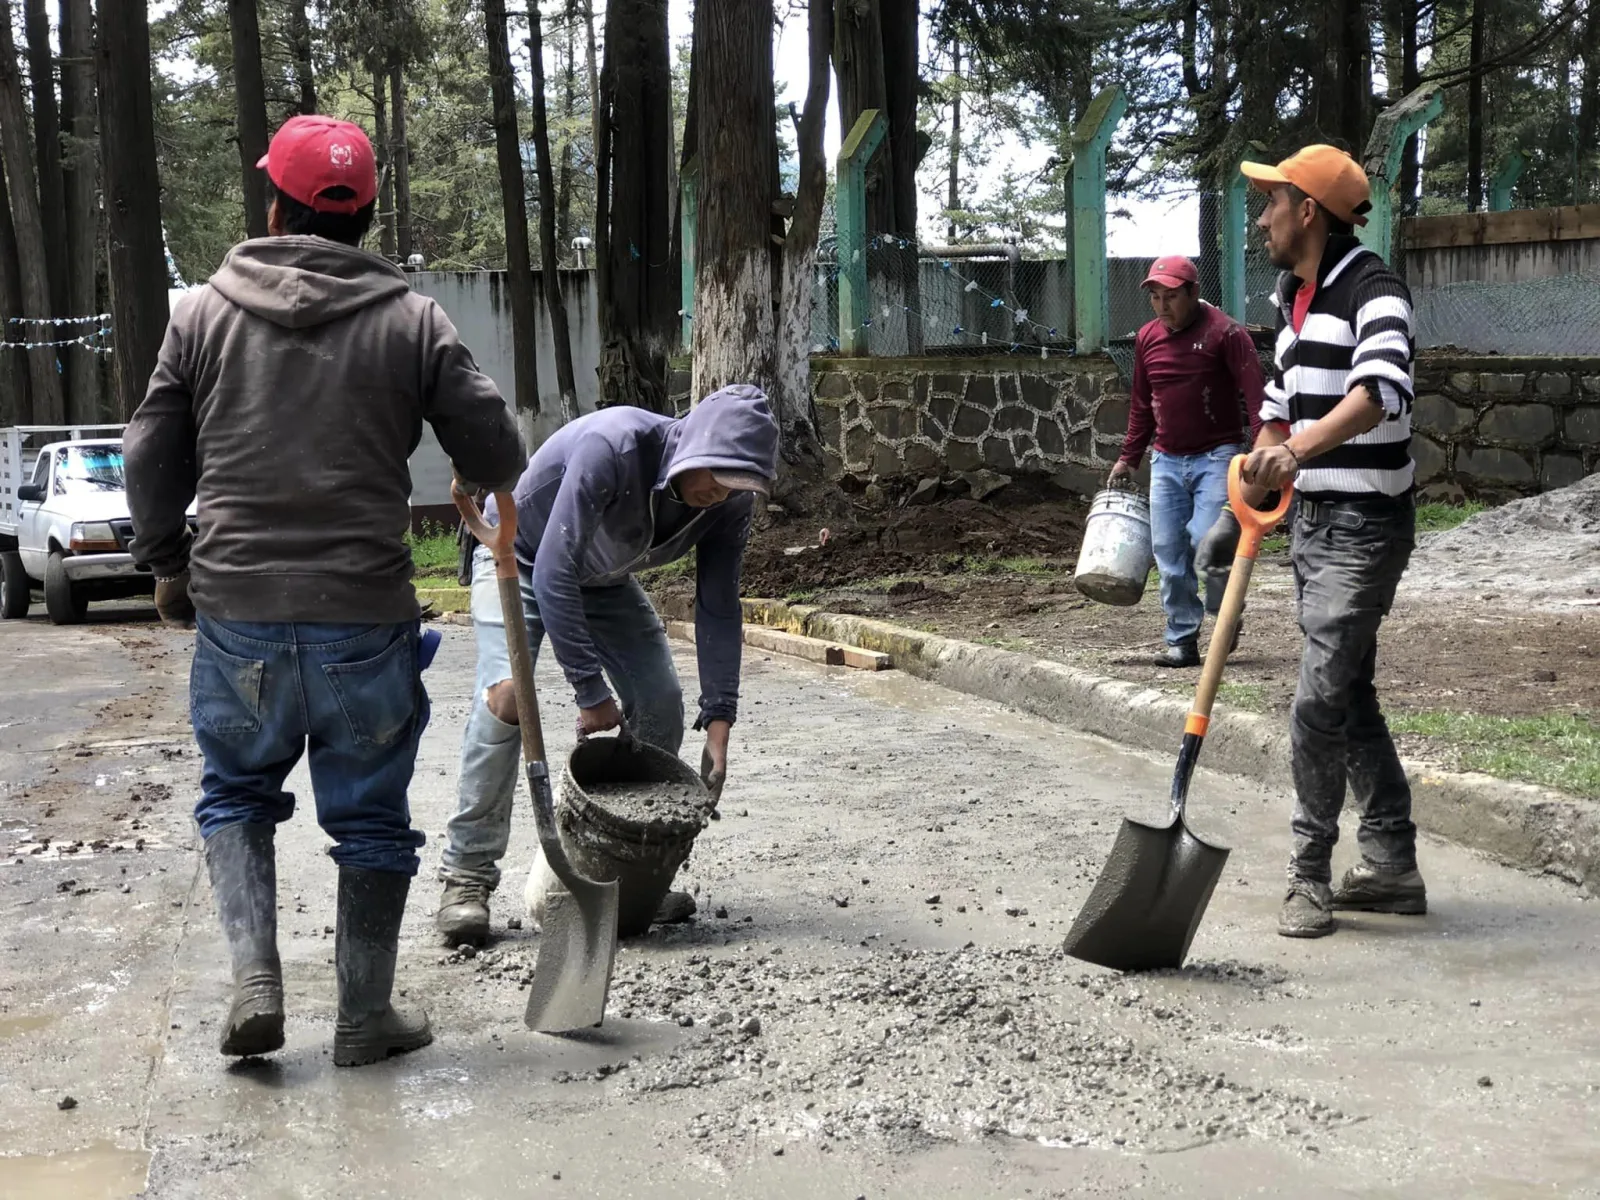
(1325, 173)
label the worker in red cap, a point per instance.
(1192, 365)
(288, 396)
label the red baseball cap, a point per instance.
(1172, 271)
(311, 154)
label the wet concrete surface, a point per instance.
(871, 1001)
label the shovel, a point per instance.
(1153, 891)
(578, 937)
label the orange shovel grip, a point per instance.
(1254, 523)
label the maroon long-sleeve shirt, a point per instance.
(1187, 387)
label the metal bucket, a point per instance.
(642, 856)
(1117, 556)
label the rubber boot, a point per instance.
(370, 1028)
(244, 880)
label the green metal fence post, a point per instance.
(1511, 169)
(688, 218)
(1236, 235)
(1091, 285)
(851, 221)
(1390, 132)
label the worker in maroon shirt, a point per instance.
(1191, 366)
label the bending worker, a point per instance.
(1191, 365)
(609, 494)
(1338, 424)
(290, 392)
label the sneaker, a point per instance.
(1183, 654)
(1307, 910)
(1367, 888)
(463, 917)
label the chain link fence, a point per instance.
(1559, 315)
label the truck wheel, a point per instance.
(17, 588)
(65, 603)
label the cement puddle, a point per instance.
(98, 1172)
(11, 1027)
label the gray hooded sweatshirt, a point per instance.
(596, 504)
(289, 394)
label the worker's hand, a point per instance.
(1270, 467)
(714, 758)
(1119, 472)
(1214, 556)
(172, 601)
(603, 716)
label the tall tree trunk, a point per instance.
(550, 267)
(305, 75)
(1588, 132)
(734, 334)
(1475, 112)
(137, 261)
(569, 105)
(385, 153)
(1410, 80)
(400, 158)
(28, 223)
(47, 152)
(599, 114)
(81, 178)
(1354, 47)
(638, 317)
(250, 106)
(513, 201)
(802, 453)
(16, 401)
(953, 196)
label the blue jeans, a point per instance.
(1187, 492)
(260, 695)
(632, 644)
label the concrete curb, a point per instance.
(1520, 824)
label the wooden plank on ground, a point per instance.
(867, 660)
(797, 645)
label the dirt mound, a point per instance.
(1030, 520)
(1546, 547)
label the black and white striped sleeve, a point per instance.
(1384, 350)
(1274, 396)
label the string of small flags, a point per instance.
(98, 318)
(95, 340)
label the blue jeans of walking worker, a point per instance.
(632, 644)
(261, 695)
(1187, 492)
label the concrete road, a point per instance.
(885, 895)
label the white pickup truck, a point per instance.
(64, 524)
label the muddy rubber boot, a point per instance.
(463, 917)
(675, 907)
(1365, 888)
(1307, 910)
(1184, 654)
(244, 880)
(370, 1028)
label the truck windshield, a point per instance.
(81, 469)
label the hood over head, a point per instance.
(731, 430)
(301, 282)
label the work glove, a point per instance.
(1220, 544)
(172, 601)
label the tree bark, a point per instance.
(1410, 80)
(137, 261)
(513, 201)
(792, 404)
(28, 223)
(385, 154)
(250, 106)
(1475, 112)
(400, 159)
(638, 315)
(305, 77)
(16, 401)
(550, 267)
(81, 178)
(1354, 48)
(569, 105)
(47, 152)
(734, 333)
(953, 197)
(599, 114)
(1589, 107)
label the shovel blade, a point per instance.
(1149, 899)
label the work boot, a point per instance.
(1307, 910)
(370, 1029)
(675, 907)
(244, 880)
(1181, 654)
(464, 913)
(1367, 888)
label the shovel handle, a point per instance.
(501, 542)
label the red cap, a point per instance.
(309, 155)
(1172, 271)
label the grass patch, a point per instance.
(1558, 750)
(433, 551)
(978, 564)
(1249, 696)
(678, 569)
(1434, 518)
(802, 595)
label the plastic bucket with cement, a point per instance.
(642, 851)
